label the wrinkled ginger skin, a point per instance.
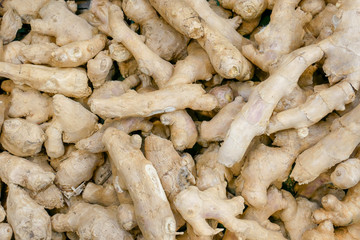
(340, 213)
(247, 9)
(58, 21)
(38, 53)
(112, 24)
(27, 9)
(94, 144)
(71, 82)
(182, 129)
(133, 104)
(98, 69)
(142, 181)
(31, 104)
(160, 37)
(196, 66)
(346, 174)
(297, 216)
(325, 231)
(77, 53)
(196, 206)
(10, 24)
(104, 195)
(282, 35)
(319, 158)
(28, 219)
(225, 57)
(90, 221)
(16, 170)
(22, 138)
(50, 197)
(174, 172)
(126, 216)
(253, 118)
(180, 16)
(78, 167)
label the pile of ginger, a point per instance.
(180, 119)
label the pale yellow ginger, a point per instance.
(77, 53)
(77, 168)
(114, 88)
(248, 27)
(346, 174)
(297, 215)
(38, 53)
(243, 89)
(183, 132)
(119, 185)
(35, 38)
(104, 195)
(223, 94)
(27, 219)
(180, 16)
(224, 56)
(90, 221)
(190, 235)
(322, 21)
(319, 158)
(71, 123)
(31, 104)
(216, 128)
(325, 231)
(22, 172)
(247, 9)
(118, 52)
(98, 69)
(196, 66)
(196, 206)
(297, 97)
(128, 68)
(308, 190)
(112, 23)
(224, 27)
(259, 173)
(21, 137)
(340, 213)
(143, 184)
(94, 144)
(327, 100)
(2, 213)
(276, 202)
(71, 82)
(219, 10)
(50, 197)
(312, 6)
(160, 37)
(6, 231)
(133, 104)
(175, 172)
(12, 53)
(126, 216)
(10, 24)
(160, 130)
(210, 173)
(282, 35)
(253, 118)
(58, 21)
(27, 9)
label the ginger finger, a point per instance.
(6, 231)
(98, 69)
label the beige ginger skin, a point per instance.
(141, 180)
(6, 231)
(346, 174)
(90, 221)
(133, 104)
(112, 23)
(58, 21)
(160, 37)
(98, 69)
(253, 118)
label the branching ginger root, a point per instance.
(112, 23)
(90, 221)
(58, 21)
(319, 158)
(325, 231)
(182, 129)
(247, 9)
(21, 211)
(346, 174)
(259, 173)
(10, 24)
(142, 181)
(98, 69)
(71, 82)
(160, 37)
(196, 206)
(340, 213)
(104, 195)
(253, 118)
(133, 104)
